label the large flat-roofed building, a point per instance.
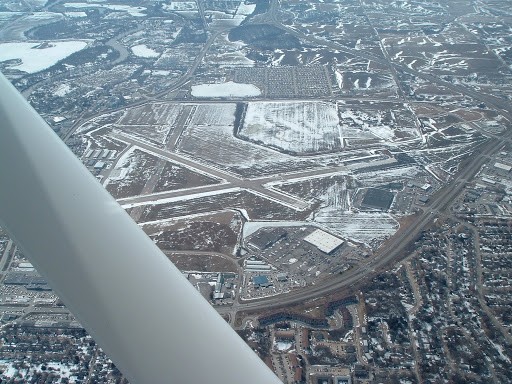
(323, 241)
(503, 167)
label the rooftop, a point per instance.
(323, 241)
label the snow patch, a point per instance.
(35, 57)
(133, 11)
(229, 89)
(142, 50)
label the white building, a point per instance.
(323, 241)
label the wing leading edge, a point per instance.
(153, 324)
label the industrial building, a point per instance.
(324, 241)
(256, 265)
(503, 167)
(99, 165)
(260, 281)
(265, 238)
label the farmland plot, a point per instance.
(296, 127)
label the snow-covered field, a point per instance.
(300, 127)
(387, 123)
(142, 50)
(226, 53)
(63, 89)
(133, 11)
(152, 121)
(370, 228)
(227, 19)
(181, 6)
(131, 173)
(245, 9)
(209, 136)
(337, 213)
(283, 345)
(37, 3)
(35, 57)
(76, 14)
(401, 174)
(229, 89)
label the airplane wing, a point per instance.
(136, 304)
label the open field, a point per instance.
(256, 207)
(153, 122)
(201, 262)
(131, 173)
(209, 137)
(307, 127)
(385, 122)
(175, 176)
(215, 232)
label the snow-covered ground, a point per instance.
(125, 166)
(76, 14)
(63, 90)
(133, 11)
(405, 173)
(35, 57)
(180, 6)
(370, 228)
(245, 9)
(37, 3)
(299, 127)
(142, 50)
(209, 136)
(252, 226)
(229, 89)
(63, 370)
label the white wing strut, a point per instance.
(148, 318)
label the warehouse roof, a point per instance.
(323, 241)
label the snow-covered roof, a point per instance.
(505, 167)
(323, 241)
